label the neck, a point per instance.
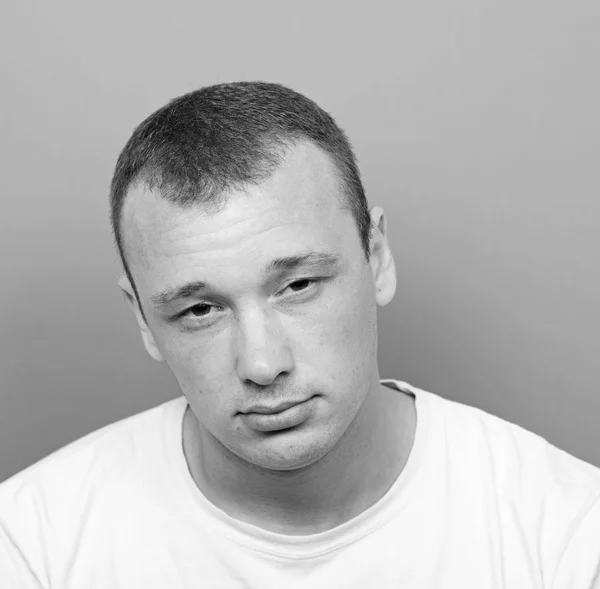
(352, 477)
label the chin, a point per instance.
(290, 455)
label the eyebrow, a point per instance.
(314, 260)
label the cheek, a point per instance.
(200, 365)
(344, 333)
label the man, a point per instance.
(254, 269)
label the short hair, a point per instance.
(219, 137)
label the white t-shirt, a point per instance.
(480, 504)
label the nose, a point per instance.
(262, 350)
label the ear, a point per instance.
(134, 306)
(381, 259)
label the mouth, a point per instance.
(268, 418)
(272, 409)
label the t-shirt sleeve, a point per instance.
(579, 567)
(15, 571)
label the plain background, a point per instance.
(477, 127)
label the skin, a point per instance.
(255, 337)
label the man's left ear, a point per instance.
(381, 259)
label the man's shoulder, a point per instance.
(98, 457)
(539, 496)
(91, 485)
(515, 449)
(553, 495)
(517, 458)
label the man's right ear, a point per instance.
(132, 302)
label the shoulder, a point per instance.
(518, 455)
(65, 479)
(513, 450)
(45, 508)
(549, 498)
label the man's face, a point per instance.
(265, 311)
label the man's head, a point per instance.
(240, 217)
(229, 135)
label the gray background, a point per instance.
(477, 128)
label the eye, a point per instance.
(199, 316)
(301, 289)
(200, 310)
(300, 285)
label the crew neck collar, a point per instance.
(210, 516)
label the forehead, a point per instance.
(299, 209)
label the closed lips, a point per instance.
(265, 410)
